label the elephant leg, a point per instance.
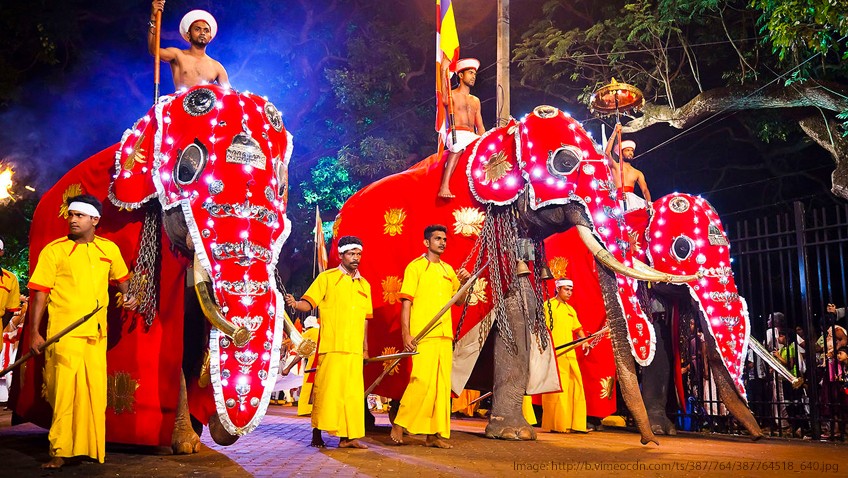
(727, 391)
(506, 420)
(184, 440)
(624, 363)
(655, 380)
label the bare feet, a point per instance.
(345, 443)
(436, 441)
(397, 434)
(445, 194)
(317, 440)
(54, 464)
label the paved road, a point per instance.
(278, 448)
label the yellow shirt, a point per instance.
(10, 292)
(429, 285)
(76, 277)
(344, 303)
(565, 323)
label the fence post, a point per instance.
(801, 245)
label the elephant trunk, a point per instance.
(727, 391)
(624, 364)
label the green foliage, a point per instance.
(802, 27)
(329, 186)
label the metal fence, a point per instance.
(788, 266)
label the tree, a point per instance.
(702, 60)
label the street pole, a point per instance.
(503, 62)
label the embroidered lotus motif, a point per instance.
(559, 267)
(394, 221)
(469, 221)
(478, 292)
(120, 392)
(137, 154)
(391, 289)
(73, 190)
(387, 363)
(496, 167)
(607, 384)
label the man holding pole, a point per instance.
(73, 272)
(193, 66)
(10, 293)
(343, 298)
(565, 411)
(624, 173)
(428, 284)
(466, 122)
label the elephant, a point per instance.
(209, 166)
(532, 178)
(685, 234)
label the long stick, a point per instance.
(51, 341)
(480, 398)
(582, 339)
(157, 39)
(451, 120)
(432, 323)
(381, 358)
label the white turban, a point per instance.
(628, 144)
(198, 15)
(1, 244)
(84, 207)
(564, 283)
(349, 247)
(467, 63)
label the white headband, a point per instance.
(565, 282)
(347, 247)
(84, 208)
(1, 244)
(627, 143)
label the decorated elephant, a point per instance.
(209, 167)
(530, 179)
(684, 235)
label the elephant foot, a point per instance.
(506, 429)
(662, 426)
(183, 440)
(218, 433)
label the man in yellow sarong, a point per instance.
(565, 411)
(428, 284)
(343, 298)
(10, 292)
(70, 279)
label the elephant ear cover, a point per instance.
(494, 172)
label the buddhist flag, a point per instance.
(320, 244)
(447, 54)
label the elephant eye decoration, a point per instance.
(191, 162)
(564, 160)
(282, 175)
(682, 248)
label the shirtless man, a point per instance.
(631, 174)
(468, 123)
(193, 66)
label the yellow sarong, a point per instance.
(461, 404)
(527, 410)
(566, 410)
(75, 380)
(425, 407)
(338, 405)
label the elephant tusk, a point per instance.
(202, 286)
(645, 274)
(303, 348)
(665, 277)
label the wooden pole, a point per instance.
(157, 39)
(427, 328)
(50, 341)
(503, 63)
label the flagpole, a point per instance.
(315, 249)
(157, 40)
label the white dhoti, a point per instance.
(634, 202)
(463, 139)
